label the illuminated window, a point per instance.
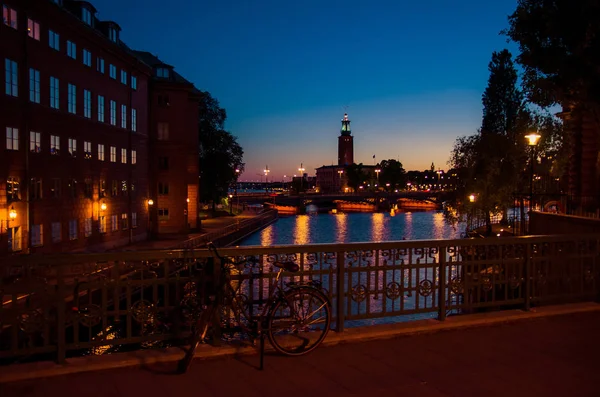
(113, 154)
(12, 189)
(72, 97)
(56, 232)
(113, 112)
(12, 78)
(54, 144)
(100, 152)
(100, 65)
(87, 104)
(112, 72)
(102, 224)
(124, 156)
(35, 144)
(12, 138)
(133, 120)
(71, 49)
(87, 150)
(9, 16)
(133, 157)
(134, 82)
(124, 223)
(102, 188)
(73, 229)
(34, 85)
(86, 16)
(72, 147)
(33, 29)
(163, 131)
(124, 77)
(87, 58)
(54, 93)
(101, 108)
(114, 226)
(54, 40)
(123, 116)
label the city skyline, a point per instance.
(286, 73)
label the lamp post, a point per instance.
(340, 172)
(266, 171)
(532, 140)
(237, 176)
(150, 203)
(301, 169)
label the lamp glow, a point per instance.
(12, 214)
(533, 138)
(150, 202)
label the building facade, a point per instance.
(75, 115)
(330, 178)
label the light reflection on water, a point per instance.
(354, 227)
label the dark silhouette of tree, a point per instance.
(354, 175)
(219, 153)
(393, 173)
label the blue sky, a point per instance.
(410, 73)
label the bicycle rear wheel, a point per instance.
(198, 335)
(299, 322)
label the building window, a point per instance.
(54, 93)
(114, 191)
(124, 224)
(35, 188)
(113, 113)
(163, 214)
(71, 49)
(133, 157)
(9, 16)
(100, 152)
(113, 154)
(33, 29)
(134, 219)
(12, 189)
(163, 100)
(102, 188)
(55, 188)
(112, 34)
(114, 226)
(34, 85)
(87, 227)
(56, 232)
(87, 58)
(124, 156)
(86, 16)
(72, 184)
(87, 150)
(87, 104)
(133, 120)
(35, 142)
(73, 147)
(163, 131)
(163, 188)
(12, 77)
(162, 72)
(37, 235)
(124, 77)
(163, 163)
(101, 108)
(54, 144)
(88, 188)
(54, 40)
(73, 229)
(113, 72)
(12, 138)
(134, 82)
(72, 99)
(100, 65)
(123, 116)
(124, 187)
(102, 224)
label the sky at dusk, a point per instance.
(411, 74)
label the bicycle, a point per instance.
(295, 318)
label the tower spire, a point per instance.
(346, 131)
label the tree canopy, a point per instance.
(392, 173)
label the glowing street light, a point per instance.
(301, 169)
(12, 214)
(472, 198)
(151, 202)
(103, 206)
(533, 139)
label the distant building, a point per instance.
(330, 178)
(86, 134)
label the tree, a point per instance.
(354, 175)
(220, 154)
(392, 173)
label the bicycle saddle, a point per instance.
(288, 266)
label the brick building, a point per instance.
(74, 165)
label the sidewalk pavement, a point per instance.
(554, 355)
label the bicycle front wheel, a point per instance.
(299, 322)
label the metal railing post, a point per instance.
(61, 312)
(527, 276)
(340, 295)
(442, 285)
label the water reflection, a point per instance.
(408, 226)
(341, 221)
(267, 237)
(301, 230)
(378, 227)
(438, 225)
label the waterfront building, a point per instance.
(330, 178)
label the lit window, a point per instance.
(100, 65)
(124, 77)
(133, 157)
(123, 116)
(134, 219)
(100, 152)
(102, 188)
(102, 224)
(124, 221)
(34, 85)
(87, 58)
(12, 138)
(114, 226)
(9, 16)
(163, 214)
(54, 93)
(124, 187)
(163, 131)
(134, 82)
(133, 120)
(86, 16)
(112, 72)
(54, 144)
(54, 40)
(113, 112)
(56, 232)
(12, 77)
(124, 156)
(87, 104)
(87, 227)
(71, 49)
(73, 147)
(112, 34)
(35, 142)
(162, 72)
(72, 99)
(33, 29)
(113, 154)
(37, 235)
(87, 150)
(101, 108)
(73, 229)
(12, 189)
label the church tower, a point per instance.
(345, 144)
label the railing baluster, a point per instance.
(442, 286)
(340, 295)
(527, 275)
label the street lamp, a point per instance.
(340, 172)
(532, 140)
(266, 171)
(12, 214)
(237, 176)
(301, 169)
(472, 198)
(231, 204)
(377, 171)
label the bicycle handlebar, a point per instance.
(211, 247)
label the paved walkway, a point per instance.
(550, 356)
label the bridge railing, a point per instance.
(54, 306)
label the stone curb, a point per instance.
(20, 372)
